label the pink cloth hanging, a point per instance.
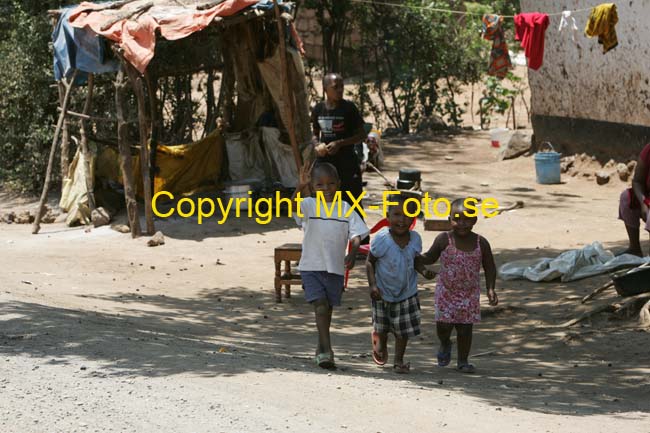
(137, 36)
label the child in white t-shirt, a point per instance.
(323, 261)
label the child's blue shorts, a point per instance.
(322, 285)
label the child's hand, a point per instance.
(429, 274)
(375, 294)
(350, 259)
(492, 297)
(305, 173)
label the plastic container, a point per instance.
(405, 184)
(632, 283)
(410, 174)
(547, 165)
(240, 189)
(498, 136)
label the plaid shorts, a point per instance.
(401, 318)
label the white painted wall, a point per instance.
(577, 80)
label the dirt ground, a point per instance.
(99, 332)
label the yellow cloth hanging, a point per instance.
(186, 168)
(182, 169)
(602, 23)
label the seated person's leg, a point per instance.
(631, 216)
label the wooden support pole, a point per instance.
(65, 136)
(287, 105)
(144, 127)
(227, 91)
(152, 91)
(210, 115)
(125, 154)
(48, 173)
(90, 182)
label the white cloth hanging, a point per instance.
(564, 23)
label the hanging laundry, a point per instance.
(499, 56)
(530, 29)
(602, 23)
(564, 23)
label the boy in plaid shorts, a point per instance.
(393, 286)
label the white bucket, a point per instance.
(240, 189)
(498, 136)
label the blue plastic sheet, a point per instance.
(268, 4)
(79, 49)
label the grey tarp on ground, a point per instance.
(570, 265)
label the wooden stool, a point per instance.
(437, 225)
(286, 253)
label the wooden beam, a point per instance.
(114, 5)
(209, 5)
(48, 173)
(125, 15)
(83, 116)
(598, 291)
(138, 88)
(90, 182)
(125, 154)
(287, 105)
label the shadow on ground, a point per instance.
(592, 368)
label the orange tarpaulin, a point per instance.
(137, 36)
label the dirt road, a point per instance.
(98, 332)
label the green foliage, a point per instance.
(28, 99)
(409, 52)
(497, 98)
(413, 58)
(27, 102)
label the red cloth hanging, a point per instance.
(530, 29)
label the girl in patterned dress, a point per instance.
(461, 253)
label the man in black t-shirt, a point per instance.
(338, 123)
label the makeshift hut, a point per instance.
(261, 106)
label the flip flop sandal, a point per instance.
(466, 368)
(402, 369)
(444, 358)
(325, 360)
(379, 358)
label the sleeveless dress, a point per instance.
(458, 289)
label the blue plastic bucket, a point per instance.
(547, 166)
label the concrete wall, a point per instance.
(584, 100)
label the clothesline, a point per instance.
(428, 8)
